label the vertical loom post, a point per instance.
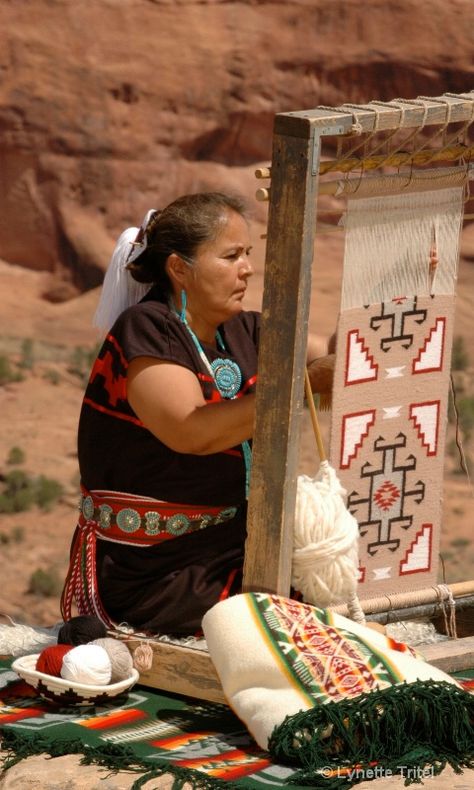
(282, 359)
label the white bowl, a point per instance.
(66, 692)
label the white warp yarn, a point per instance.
(18, 639)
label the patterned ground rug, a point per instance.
(152, 733)
(147, 732)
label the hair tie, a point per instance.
(119, 289)
(140, 243)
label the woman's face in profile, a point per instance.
(217, 281)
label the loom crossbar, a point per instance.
(400, 114)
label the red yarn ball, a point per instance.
(50, 660)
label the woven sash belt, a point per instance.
(130, 519)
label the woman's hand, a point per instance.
(321, 374)
(321, 366)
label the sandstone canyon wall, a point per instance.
(108, 107)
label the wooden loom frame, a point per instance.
(296, 165)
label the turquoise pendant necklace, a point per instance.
(227, 377)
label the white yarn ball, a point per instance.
(120, 657)
(88, 664)
(325, 557)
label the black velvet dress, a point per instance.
(167, 587)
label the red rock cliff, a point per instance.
(108, 107)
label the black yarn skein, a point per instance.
(80, 630)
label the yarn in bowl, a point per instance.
(87, 664)
(119, 655)
(66, 692)
(80, 630)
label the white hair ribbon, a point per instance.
(119, 289)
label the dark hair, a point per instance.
(181, 227)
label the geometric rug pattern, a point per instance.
(147, 731)
(388, 429)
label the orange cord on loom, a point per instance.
(433, 260)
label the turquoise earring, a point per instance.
(184, 302)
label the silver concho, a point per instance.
(178, 524)
(128, 520)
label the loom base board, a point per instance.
(181, 670)
(453, 655)
(190, 671)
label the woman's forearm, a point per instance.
(214, 427)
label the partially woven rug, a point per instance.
(391, 377)
(388, 436)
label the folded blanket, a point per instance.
(322, 692)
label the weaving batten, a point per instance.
(388, 241)
(420, 155)
(398, 104)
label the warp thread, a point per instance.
(448, 607)
(18, 639)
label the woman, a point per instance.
(166, 423)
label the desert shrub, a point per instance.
(45, 582)
(16, 456)
(52, 376)
(466, 415)
(452, 449)
(47, 492)
(81, 361)
(16, 535)
(27, 354)
(20, 492)
(460, 543)
(460, 357)
(7, 372)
